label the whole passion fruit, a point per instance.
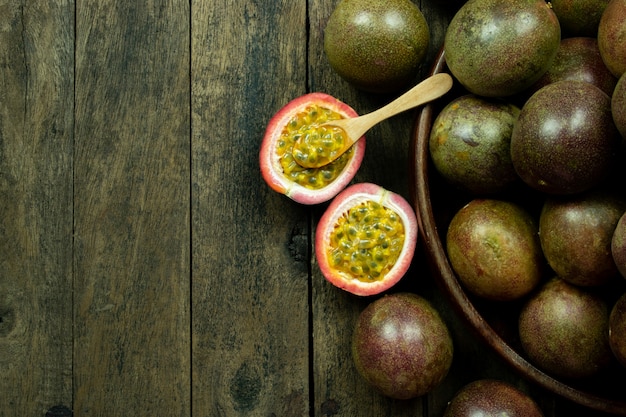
(365, 240)
(618, 245)
(376, 45)
(470, 143)
(498, 48)
(494, 249)
(618, 105)
(612, 36)
(617, 330)
(279, 167)
(564, 330)
(576, 234)
(565, 140)
(579, 59)
(579, 17)
(401, 346)
(491, 398)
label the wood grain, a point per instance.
(36, 119)
(250, 244)
(132, 208)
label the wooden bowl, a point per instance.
(435, 203)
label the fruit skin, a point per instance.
(348, 198)
(564, 330)
(576, 235)
(498, 48)
(491, 398)
(579, 59)
(612, 36)
(494, 249)
(565, 141)
(269, 161)
(376, 45)
(618, 105)
(618, 245)
(617, 330)
(579, 17)
(401, 346)
(470, 143)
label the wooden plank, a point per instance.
(250, 244)
(132, 208)
(36, 118)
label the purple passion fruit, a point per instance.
(401, 346)
(376, 45)
(576, 234)
(564, 330)
(302, 116)
(498, 48)
(579, 59)
(617, 330)
(618, 245)
(612, 36)
(491, 398)
(470, 144)
(365, 240)
(565, 141)
(494, 249)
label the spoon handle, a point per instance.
(431, 88)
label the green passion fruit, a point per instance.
(376, 45)
(491, 398)
(618, 245)
(579, 17)
(365, 240)
(279, 167)
(493, 246)
(612, 36)
(498, 48)
(470, 141)
(618, 105)
(564, 330)
(401, 346)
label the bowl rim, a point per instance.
(447, 279)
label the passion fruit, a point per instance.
(565, 140)
(279, 167)
(401, 346)
(579, 17)
(618, 105)
(564, 330)
(576, 234)
(612, 36)
(376, 45)
(499, 48)
(617, 330)
(365, 240)
(470, 143)
(618, 245)
(494, 249)
(491, 398)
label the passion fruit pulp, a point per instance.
(365, 240)
(303, 117)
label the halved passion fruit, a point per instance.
(303, 117)
(366, 239)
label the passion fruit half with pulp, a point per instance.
(366, 239)
(303, 117)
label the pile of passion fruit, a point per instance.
(524, 207)
(529, 159)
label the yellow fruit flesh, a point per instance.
(306, 124)
(367, 242)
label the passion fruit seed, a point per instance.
(318, 144)
(367, 241)
(306, 124)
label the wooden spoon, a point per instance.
(310, 154)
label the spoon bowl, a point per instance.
(317, 150)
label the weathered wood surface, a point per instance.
(145, 267)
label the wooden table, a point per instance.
(145, 267)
